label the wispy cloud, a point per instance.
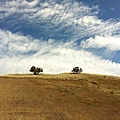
(111, 43)
(68, 31)
(77, 18)
(55, 57)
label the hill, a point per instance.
(59, 97)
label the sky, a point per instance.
(58, 35)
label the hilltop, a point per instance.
(59, 97)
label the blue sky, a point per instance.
(59, 35)
(108, 8)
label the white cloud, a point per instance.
(111, 43)
(30, 4)
(88, 21)
(80, 18)
(52, 56)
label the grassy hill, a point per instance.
(59, 97)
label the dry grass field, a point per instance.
(59, 97)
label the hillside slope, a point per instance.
(59, 97)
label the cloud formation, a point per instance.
(109, 42)
(19, 53)
(77, 18)
(69, 35)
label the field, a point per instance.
(59, 97)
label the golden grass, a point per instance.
(59, 97)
